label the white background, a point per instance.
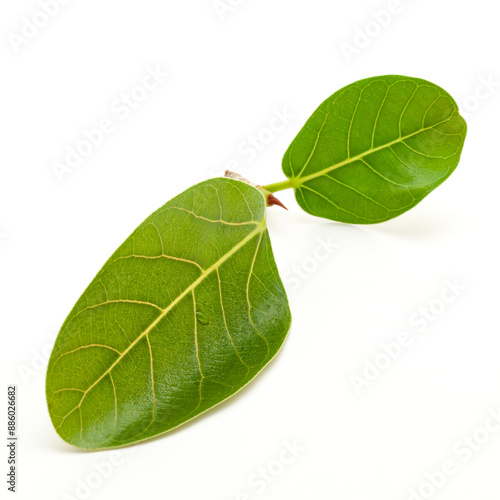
(226, 79)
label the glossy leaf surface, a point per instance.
(184, 314)
(375, 149)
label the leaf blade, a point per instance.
(129, 362)
(375, 149)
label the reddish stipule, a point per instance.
(272, 200)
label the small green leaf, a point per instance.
(374, 149)
(184, 314)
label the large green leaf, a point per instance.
(374, 149)
(184, 314)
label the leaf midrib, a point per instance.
(297, 181)
(261, 226)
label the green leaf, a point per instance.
(374, 149)
(184, 314)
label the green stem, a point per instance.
(278, 186)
